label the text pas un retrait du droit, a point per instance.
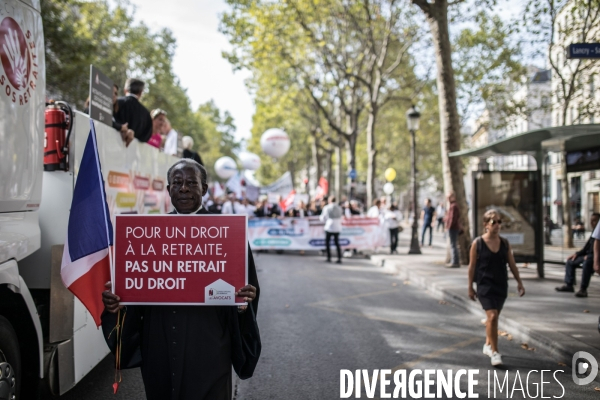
(176, 249)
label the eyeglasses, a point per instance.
(496, 221)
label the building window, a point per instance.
(544, 101)
(592, 89)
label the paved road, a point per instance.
(317, 318)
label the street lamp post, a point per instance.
(412, 119)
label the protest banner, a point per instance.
(359, 233)
(180, 259)
(282, 186)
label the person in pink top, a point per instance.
(158, 121)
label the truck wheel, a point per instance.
(10, 362)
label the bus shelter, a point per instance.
(522, 196)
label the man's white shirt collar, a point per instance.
(195, 212)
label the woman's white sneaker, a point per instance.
(487, 350)
(496, 359)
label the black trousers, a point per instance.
(393, 239)
(588, 270)
(336, 240)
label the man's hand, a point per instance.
(521, 289)
(129, 137)
(124, 128)
(110, 300)
(248, 292)
(572, 257)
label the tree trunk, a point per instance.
(338, 173)
(316, 161)
(351, 159)
(566, 203)
(292, 169)
(329, 175)
(449, 120)
(372, 155)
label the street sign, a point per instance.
(583, 51)
(101, 92)
(352, 174)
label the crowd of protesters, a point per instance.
(133, 120)
(388, 214)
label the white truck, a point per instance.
(48, 341)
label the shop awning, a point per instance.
(574, 137)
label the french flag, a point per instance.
(86, 262)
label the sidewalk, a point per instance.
(557, 322)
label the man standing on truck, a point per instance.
(132, 112)
(186, 352)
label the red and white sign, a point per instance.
(18, 57)
(185, 259)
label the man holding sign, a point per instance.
(185, 351)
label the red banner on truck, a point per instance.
(184, 259)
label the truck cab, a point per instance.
(48, 340)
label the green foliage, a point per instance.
(214, 137)
(79, 33)
(487, 64)
(308, 55)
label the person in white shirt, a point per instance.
(332, 216)
(374, 211)
(247, 207)
(169, 138)
(392, 218)
(232, 206)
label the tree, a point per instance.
(436, 13)
(557, 24)
(480, 78)
(79, 33)
(345, 56)
(487, 64)
(214, 137)
(375, 41)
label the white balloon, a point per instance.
(275, 142)
(250, 161)
(388, 188)
(225, 167)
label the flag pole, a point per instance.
(110, 255)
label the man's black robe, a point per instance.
(186, 352)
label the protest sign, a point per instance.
(185, 259)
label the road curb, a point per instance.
(560, 346)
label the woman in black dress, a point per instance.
(489, 255)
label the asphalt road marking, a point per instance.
(393, 321)
(356, 296)
(438, 353)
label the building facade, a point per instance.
(575, 100)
